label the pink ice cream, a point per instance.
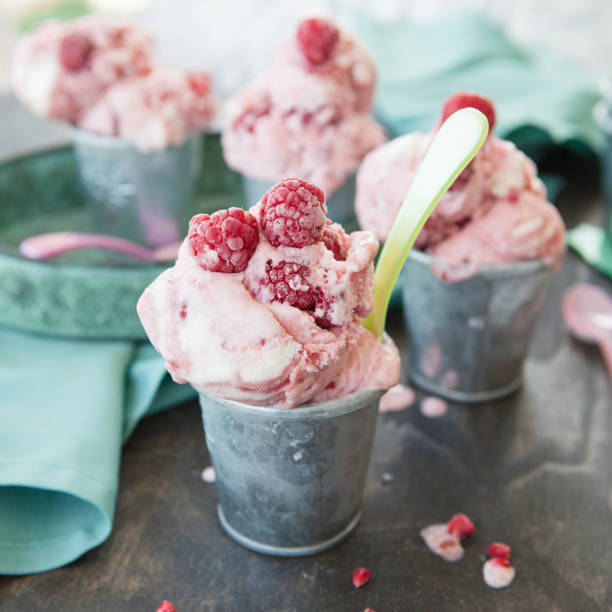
(495, 212)
(59, 69)
(309, 114)
(153, 111)
(264, 306)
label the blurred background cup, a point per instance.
(290, 482)
(145, 197)
(468, 339)
(340, 204)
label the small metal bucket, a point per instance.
(603, 116)
(340, 204)
(290, 482)
(468, 340)
(145, 197)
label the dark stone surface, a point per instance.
(533, 470)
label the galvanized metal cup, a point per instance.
(290, 482)
(340, 204)
(145, 197)
(468, 340)
(603, 116)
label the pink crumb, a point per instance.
(361, 576)
(208, 475)
(444, 539)
(498, 573)
(397, 398)
(166, 606)
(433, 407)
(369, 610)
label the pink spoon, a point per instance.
(45, 246)
(587, 311)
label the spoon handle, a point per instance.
(605, 344)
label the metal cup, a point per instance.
(145, 197)
(603, 116)
(290, 482)
(468, 340)
(340, 204)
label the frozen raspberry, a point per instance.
(461, 526)
(463, 100)
(166, 606)
(499, 550)
(360, 576)
(199, 82)
(225, 240)
(288, 282)
(293, 213)
(336, 240)
(74, 51)
(317, 39)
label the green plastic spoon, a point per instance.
(454, 146)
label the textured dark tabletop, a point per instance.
(534, 470)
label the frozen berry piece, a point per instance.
(498, 550)
(166, 606)
(74, 51)
(461, 526)
(336, 240)
(293, 213)
(441, 543)
(225, 240)
(199, 82)
(288, 283)
(317, 39)
(498, 573)
(464, 100)
(360, 576)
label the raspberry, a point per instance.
(225, 240)
(360, 576)
(166, 606)
(74, 51)
(499, 550)
(199, 82)
(461, 526)
(317, 39)
(335, 239)
(463, 100)
(293, 213)
(288, 282)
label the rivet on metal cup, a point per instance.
(290, 482)
(468, 340)
(145, 197)
(340, 204)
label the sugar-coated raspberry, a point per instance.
(464, 100)
(166, 606)
(293, 213)
(317, 39)
(225, 240)
(199, 82)
(288, 282)
(360, 576)
(74, 51)
(498, 550)
(336, 240)
(461, 526)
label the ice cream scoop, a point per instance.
(587, 311)
(46, 246)
(454, 146)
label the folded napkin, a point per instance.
(540, 99)
(66, 408)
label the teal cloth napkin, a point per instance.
(66, 408)
(540, 99)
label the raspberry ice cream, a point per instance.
(153, 111)
(497, 571)
(444, 539)
(309, 114)
(59, 69)
(495, 212)
(263, 306)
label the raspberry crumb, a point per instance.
(166, 606)
(317, 39)
(464, 100)
(497, 572)
(225, 240)
(293, 213)
(361, 576)
(74, 51)
(461, 526)
(498, 550)
(369, 610)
